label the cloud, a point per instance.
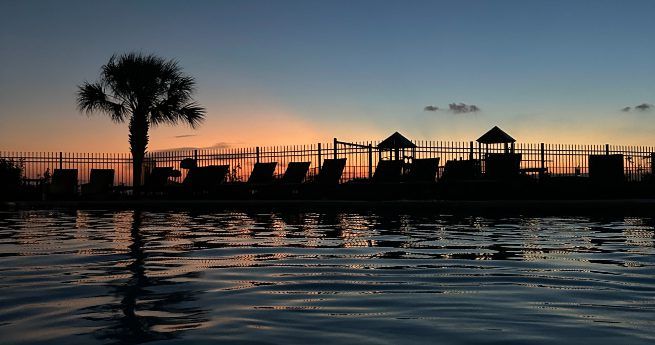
(644, 107)
(640, 107)
(176, 149)
(185, 135)
(219, 145)
(456, 108)
(462, 108)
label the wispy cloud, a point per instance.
(218, 145)
(640, 107)
(185, 135)
(177, 149)
(462, 108)
(455, 108)
(644, 107)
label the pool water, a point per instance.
(290, 277)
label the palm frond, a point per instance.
(190, 113)
(91, 97)
(193, 114)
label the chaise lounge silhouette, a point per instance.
(156, 181)
(101, 183)
(331, 171)
(206, 180)
(63, 184)
(295, 173)
(423, 170)
(262, 173)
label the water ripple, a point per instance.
(129, 277)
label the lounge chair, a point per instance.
(423, 170)
(326, 183)
(101, 182)
(157, 180)
(331, 171)
(64, 183)
(289, 186)
(461, 170)
(388, 171)
(206, 179)
(295, 173)
(384, 184)
(502, 165)
(262, 173)
(259, 183)
(606, 168)
(188, 163)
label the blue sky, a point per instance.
(273, 72)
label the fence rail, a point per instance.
(362, 158)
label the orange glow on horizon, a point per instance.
(276, 125)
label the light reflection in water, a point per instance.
(290, 277)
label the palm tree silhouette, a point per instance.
(146, 89)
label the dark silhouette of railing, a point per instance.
(362, 158)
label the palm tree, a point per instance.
(148, 91)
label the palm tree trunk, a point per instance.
(138, 145)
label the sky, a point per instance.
(301, 72)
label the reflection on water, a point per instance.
(131, 277)
(160, 315)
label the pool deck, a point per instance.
(596, 206)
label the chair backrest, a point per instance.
(188, 163)
(462, 170)
(158, 176)
(262, 173)
(607, 168)
(502, 165)
(66, 177)
(388, 171)
(64, 181)
(331, 171)
(102, 177)
(204, 178)
(424, 170)
(296, 172)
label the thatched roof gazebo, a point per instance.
(395, 143)
(497, 136)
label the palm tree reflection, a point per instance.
(150, 308)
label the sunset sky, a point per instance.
(300, 72)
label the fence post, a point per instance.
(543, 157)
(370, 161)
(471, 150)
(61, 160)
(195, 156)
(335, 148)
(607, 149)
(257, 154)
(319, 157)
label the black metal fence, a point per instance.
(362, 158)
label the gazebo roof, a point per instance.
(394, 141)
(495, 136)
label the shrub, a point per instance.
(11, 173)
